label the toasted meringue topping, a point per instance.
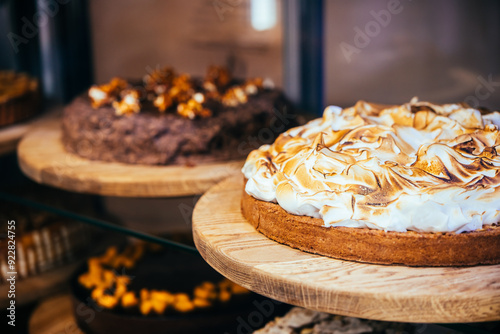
(419, 166)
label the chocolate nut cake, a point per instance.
(171, 118)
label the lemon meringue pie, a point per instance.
(416, 184)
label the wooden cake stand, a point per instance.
(392, 293)
(11, 134)
(54, 315)
(43, 158)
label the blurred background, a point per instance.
(320, 52)
(442, 51)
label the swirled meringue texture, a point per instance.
(419, 166)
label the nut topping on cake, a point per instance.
(106, 94)
(193, 108)
(110, 287)
(217, 78)
(239, 94)
(166, 90)
(159, 80)
(163, 101)
(129, 102)
(234, 96)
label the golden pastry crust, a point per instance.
(370, 245)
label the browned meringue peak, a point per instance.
(380, 160)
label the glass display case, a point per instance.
(320, 53)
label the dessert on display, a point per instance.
(170, 118)
(109, 280)
(19, 97)
(416, 184)
(47, 248)
(143, 287)
(43, 242)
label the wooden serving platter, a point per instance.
(391, 293)
(10, 136)
(43, 158)
(54, 315)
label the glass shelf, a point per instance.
(301, 54)
(89, 209)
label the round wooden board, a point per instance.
(10, 136)
(43, 158)
(391, 293)
(54, 315)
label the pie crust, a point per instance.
(370, 245)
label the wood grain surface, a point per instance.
(11, 135)
(43, 158)
(54, 315)
(392, 293)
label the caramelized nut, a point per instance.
(129, 103)
(107, 301)
(200, 302)
(192, 108)
(218, 75)
(107, 93)
(163, 102)
(129, 299)
(234, 96)
(160, 77)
